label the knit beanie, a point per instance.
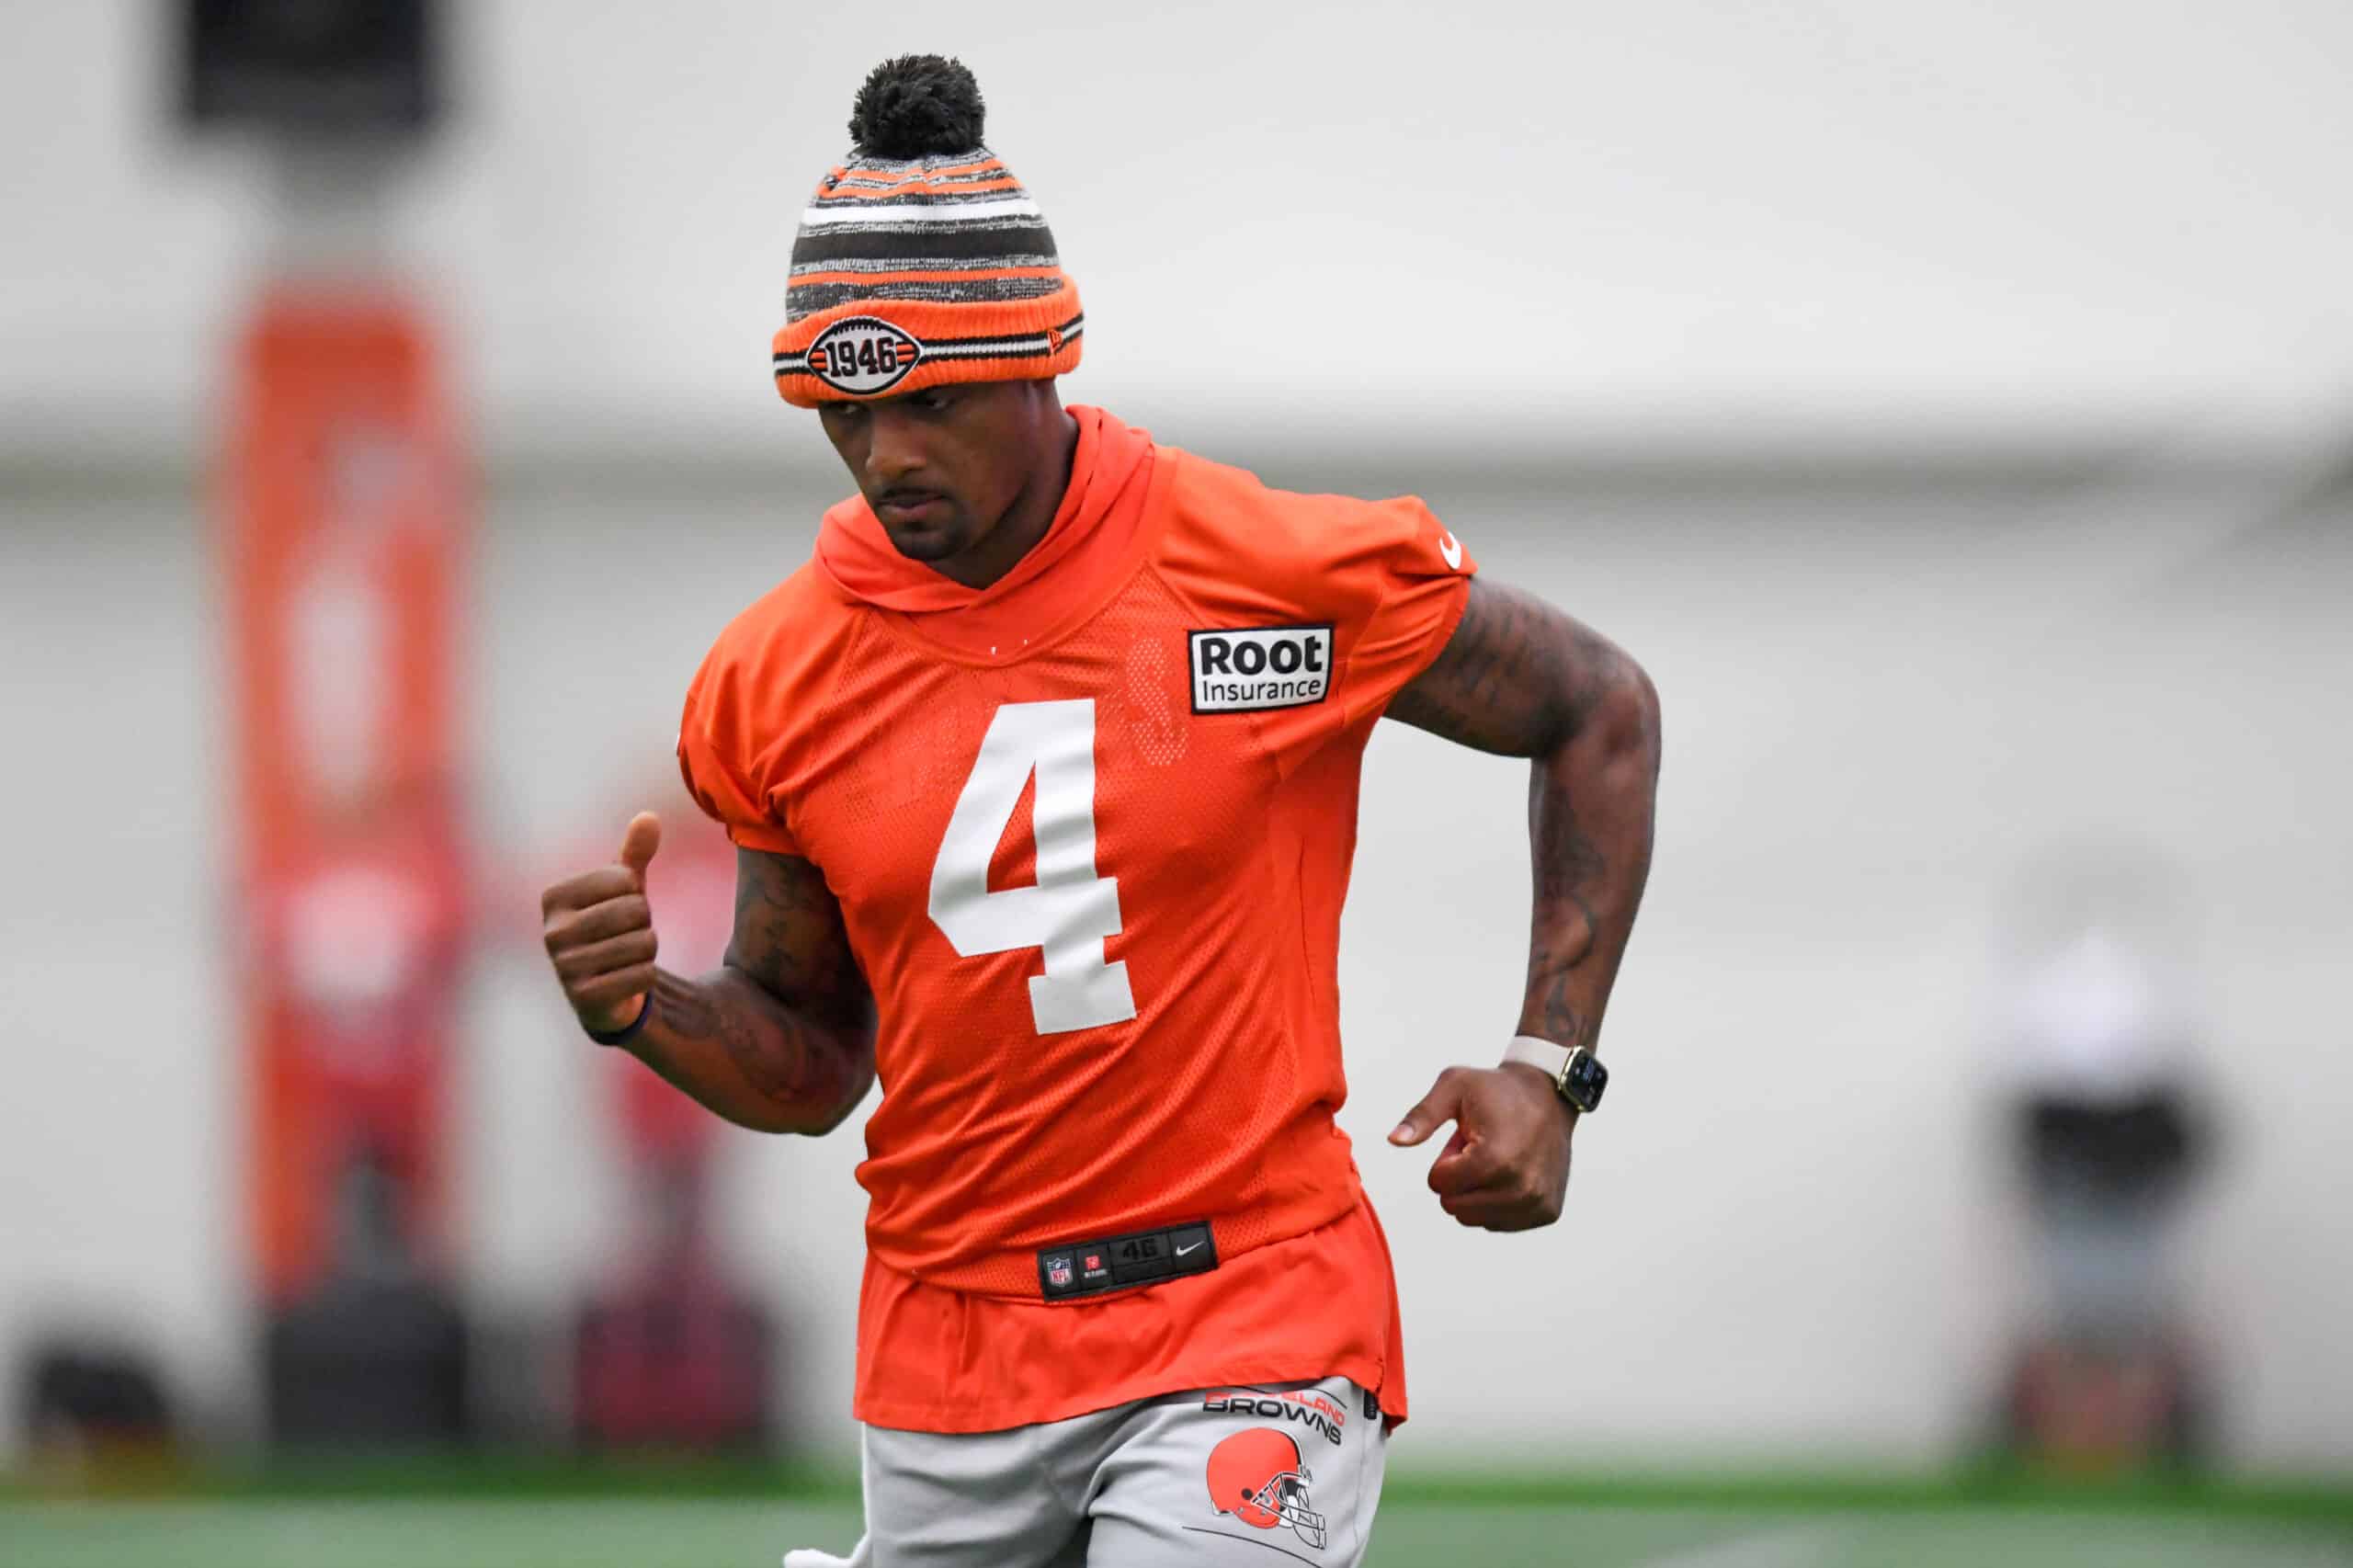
(921, 260)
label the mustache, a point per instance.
(909, 495)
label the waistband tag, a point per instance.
(1141, 1257)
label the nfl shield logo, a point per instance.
(1058, 1271)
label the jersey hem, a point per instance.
(1010, 1274)
(963, 1420)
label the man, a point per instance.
(1043, 776)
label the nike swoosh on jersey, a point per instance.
(1451, 548)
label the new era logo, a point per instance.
(1248, 669)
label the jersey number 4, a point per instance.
(1071, 909)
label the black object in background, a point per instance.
(368, 1364)
(2144, 1148)
(376, 1356)
(360, 68)
(77, 1395)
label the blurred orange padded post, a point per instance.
(343, 538)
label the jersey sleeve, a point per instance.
(1411, 576)
(1388, 578)
(717, 759)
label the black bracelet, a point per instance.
(628, 1031)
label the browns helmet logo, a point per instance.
(863, 355)
(1258, 1478)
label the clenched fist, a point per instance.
(1506, 1167)
(600, 933)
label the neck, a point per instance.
(1026, 521)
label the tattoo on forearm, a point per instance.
(1568, 866)
(684, 1007)
(1521, 679)
(1569, 871)
(788, 1010)
(768, 1047)
(767, 1061)
(1562, 1021)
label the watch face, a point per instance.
(1585, 1078)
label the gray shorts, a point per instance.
(1210, 1478)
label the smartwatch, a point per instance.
(1578, 1075)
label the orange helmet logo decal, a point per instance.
(1257, 1477)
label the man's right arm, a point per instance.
(781, 1037)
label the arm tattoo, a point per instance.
(1520, 678)
(1516, 679)
(781, 1036)
(789, 938)
(813, 1041)
(793, 1060)
(1568, 869)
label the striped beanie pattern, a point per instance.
(921, 260)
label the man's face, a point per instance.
(941, 467)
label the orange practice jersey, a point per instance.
(1091, 828)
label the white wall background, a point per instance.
(1842, 226)
(1657, 221)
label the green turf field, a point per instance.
(1454, 1532)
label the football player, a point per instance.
(1043, 775)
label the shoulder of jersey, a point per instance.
(1229, 520)
(794, 625)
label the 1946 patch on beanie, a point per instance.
(920, 258)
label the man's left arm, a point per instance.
(1520, 678)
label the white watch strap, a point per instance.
(1541, 1054)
